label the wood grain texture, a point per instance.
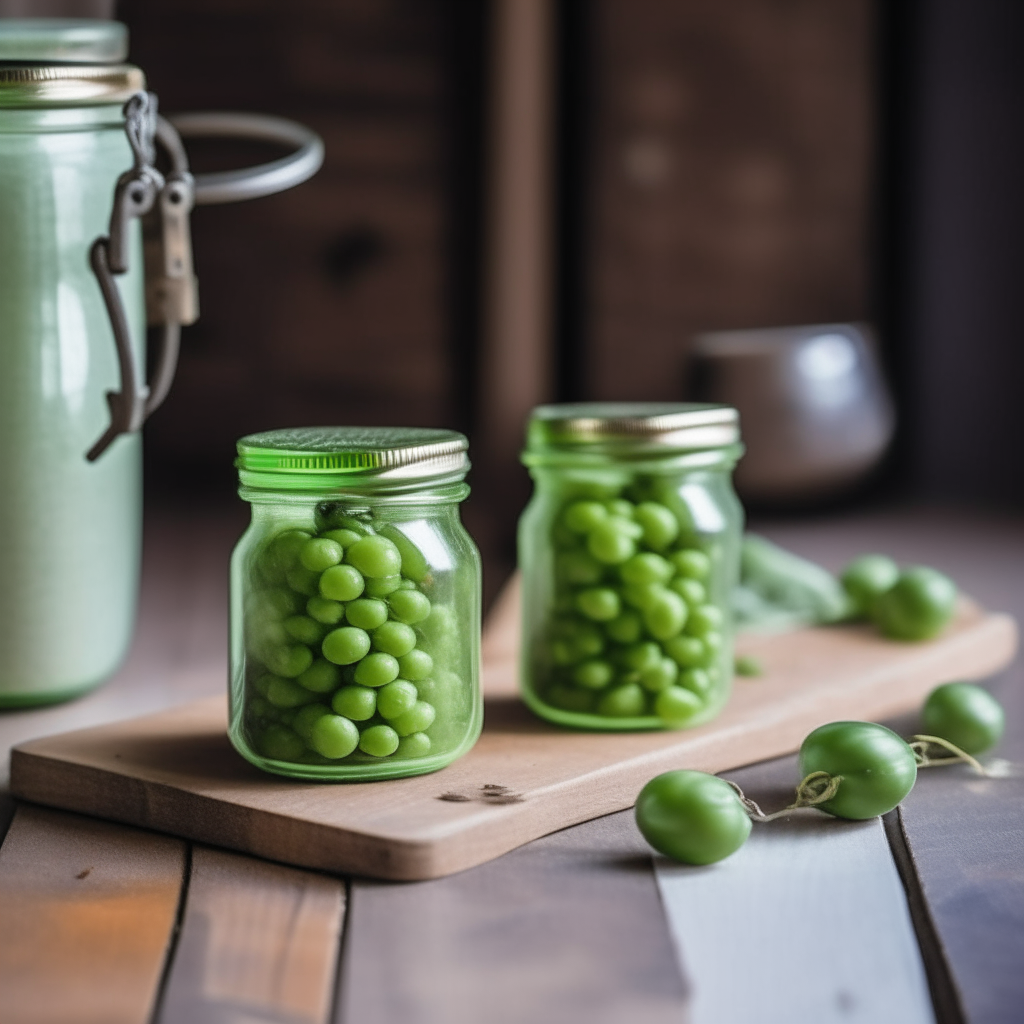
(258, 941)
(87, 910)
(567, 930)
(964, 834)
(175, 771)
(806, 922)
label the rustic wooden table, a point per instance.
(917, 918)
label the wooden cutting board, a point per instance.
(176, 772)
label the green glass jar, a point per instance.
(355, 604)
(629, 552)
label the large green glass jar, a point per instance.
(629, 552)
(355, 604)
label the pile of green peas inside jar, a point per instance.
(634, 631)
(339, 629)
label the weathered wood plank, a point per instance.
(258, 941)
(87, 910)
(568, 929)
(965, 835)
(806, 922)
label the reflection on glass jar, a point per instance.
(355, 604)
(629, 553)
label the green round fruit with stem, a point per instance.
(966, 715)
(692, 817)
(917, 606)
(877, 767)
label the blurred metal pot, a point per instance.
(815, 411)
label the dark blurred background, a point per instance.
(526, 200)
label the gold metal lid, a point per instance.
(68, 85)
(638, 426)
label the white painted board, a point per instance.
(806, 924)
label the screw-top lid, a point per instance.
(634, 427)
(62, 41)
(65, 62)
(321, 458)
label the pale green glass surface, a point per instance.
(69, 562)
(261, 599)
(697, 489)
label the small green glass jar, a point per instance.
(629, 552)
(355, 604)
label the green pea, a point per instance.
(643, 595)
(281, 554)
(284, 693)
(414, 563)
(696, 680)
(621, 507)
(705, 619)
(324, 610)
(396, 698)
(584, 516)
(570, 698)
(304, 629)
(691, 562)
(346, 645)
(656, 678)
(626, 701)
(376, 670)
(305, 718)
(690, 590)
(610, 544)
(258, 707)
(320, 553)
(415, 665)
(342, 583)
(320, 677)
(331, 516)
(660, 526)
(381, 586)
(342, 536)
(677, 705)
(641, 656)
(375, 556)
(625, 629)
(302, 581)
(442, 690)
(409, 606)
(355, 702)
(646, 568)
(867, 578)
(746, 665)
(593, 675)
(334, 736)
(418, 719)
(279, 743)
(416, 745)
(599, 603)
(577, 568)
(686, 651)
(379, 741)
(261, 684)
(276, 603)
(394, 638)
(713, 641)
(289, 661)
(587, 640)
(666, 617)
(366, 613)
